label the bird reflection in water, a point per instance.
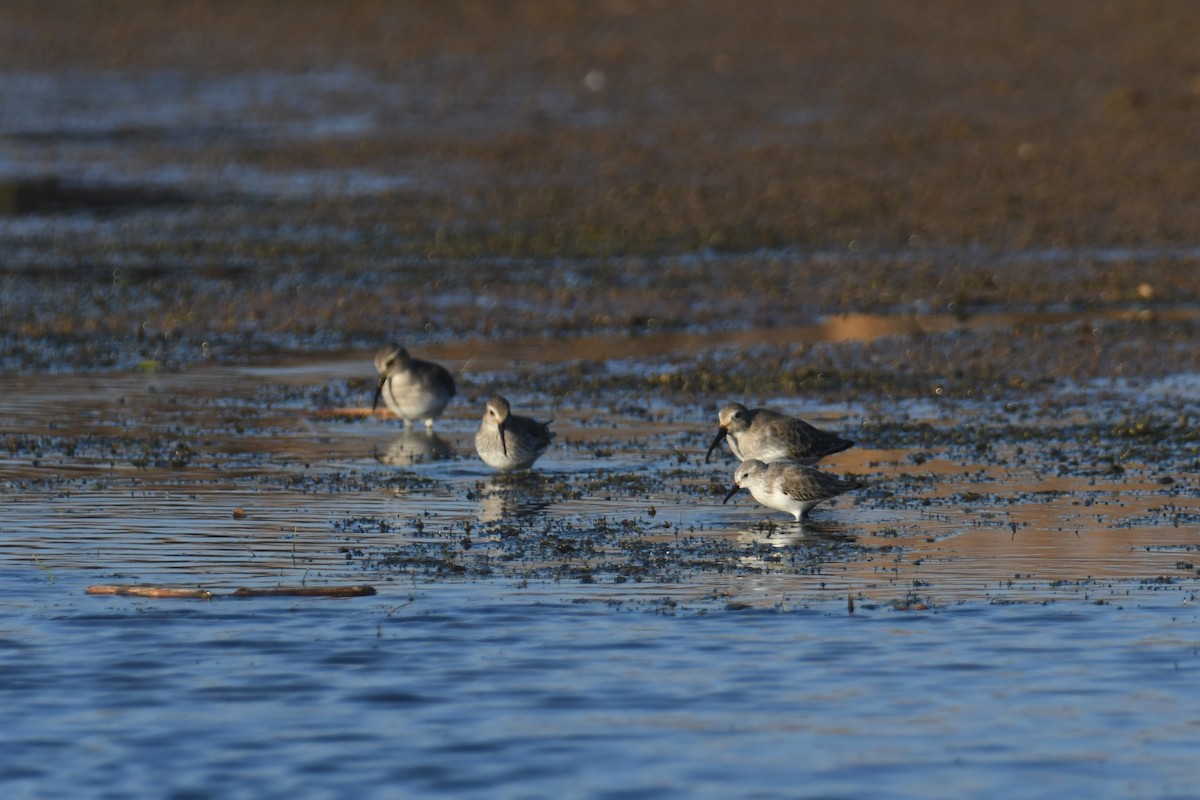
(784, 534)
(512, 495)
(415, 447)
(803, 547)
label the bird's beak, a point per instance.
(732, 492)
(503, 446)
(379, 391)
(720, 435)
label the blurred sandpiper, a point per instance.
(790, 487)
(770, 436)
(509, 442)
(412, 389)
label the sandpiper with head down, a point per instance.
(770, 436)
(412, 389)
(785, 486)
(509, 442)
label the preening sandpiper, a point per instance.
(786, 486)
(770, 436)
(411, 388)
(509, 442)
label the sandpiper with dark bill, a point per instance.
(785, 486)
(412, 389)
(509, 442)
(770, 436)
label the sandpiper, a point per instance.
(770, 436)
(508, 442)
(413, 389)
(786, 486)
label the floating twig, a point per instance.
(135, 590)
(307, 591)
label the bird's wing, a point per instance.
(805, 483)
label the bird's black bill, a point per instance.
(720, 435)
(732, 492)
(378, 392)
(503, 444)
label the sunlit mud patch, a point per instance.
(54, 196)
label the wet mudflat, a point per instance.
(966, 241)
(1022, 577)
(243, 468)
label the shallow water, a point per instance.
(486, 690)
(1007, 611)
(975, 623)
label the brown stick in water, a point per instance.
(151, 591)
(307, 591)
(134, 590)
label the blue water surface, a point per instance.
(484, 690)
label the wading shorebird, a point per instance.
(509, 442)
(784, 486)
(770, 436)
(411, 388)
